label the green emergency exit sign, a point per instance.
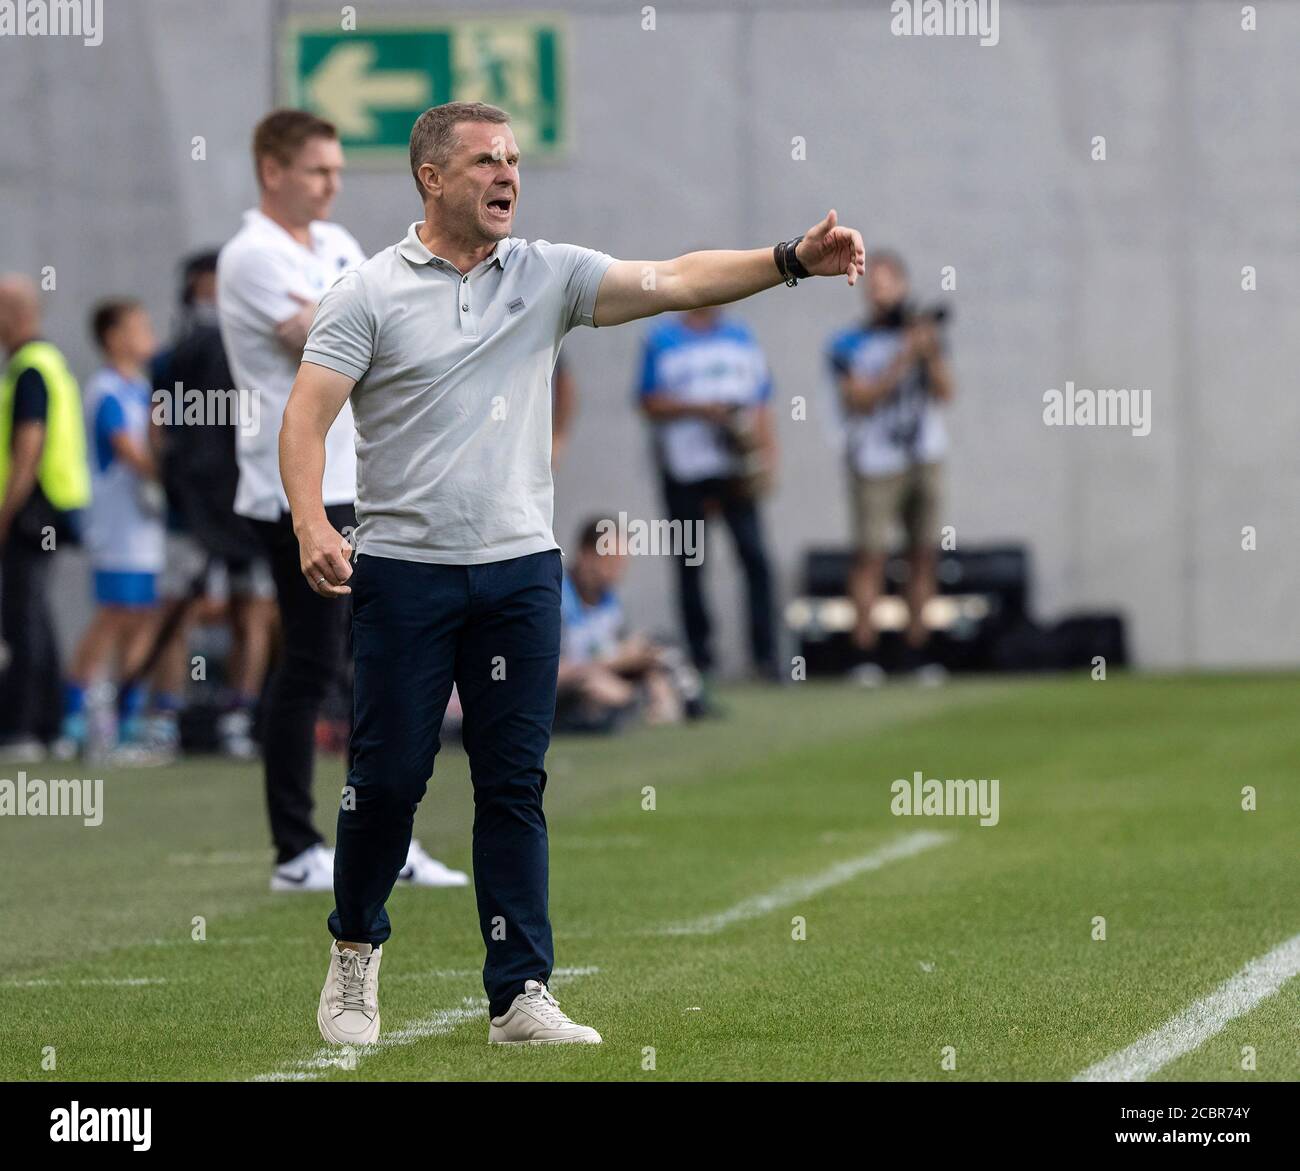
(372, 83)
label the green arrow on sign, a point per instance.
(374, 83)
(345, 87)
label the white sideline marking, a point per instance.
(437, 1024)
(107, 982)
(798, 889)
(228, 941)
(1190, 1029)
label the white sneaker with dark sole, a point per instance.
(535, 1018)
(348, 1013)
(422, 869)
(312, 870)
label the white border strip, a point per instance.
(799, 889)
(1190, 1029)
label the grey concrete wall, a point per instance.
(1120, 273)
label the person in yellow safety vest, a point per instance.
(44, 482)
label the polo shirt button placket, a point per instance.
(466, 322)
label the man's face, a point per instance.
(203, 289)
(610, 569)
(480, 184)
(886, 286)
(305, 189)
(132, 338)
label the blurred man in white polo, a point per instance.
(269, 278)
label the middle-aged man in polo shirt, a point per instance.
(445, 344)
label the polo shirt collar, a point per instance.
(413, 249)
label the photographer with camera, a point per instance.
(705, 387)
(891, 380)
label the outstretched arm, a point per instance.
(635, 288)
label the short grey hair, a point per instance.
(433, 137)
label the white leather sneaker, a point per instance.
(535, 1018)
(349, 1003)
(312, 870)
(422, 869)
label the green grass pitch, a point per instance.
(1120, 799)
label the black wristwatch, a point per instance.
(788, 263)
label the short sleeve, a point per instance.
(760, 372)
(580, 271)
(353, 252)
(342, 336)
(259, 283)
(838, 356)
(109, 420)
(30, 397)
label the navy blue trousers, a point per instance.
(495, 631)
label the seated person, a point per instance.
(606, 674)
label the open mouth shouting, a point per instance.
(501, 207)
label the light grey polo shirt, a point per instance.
(453, 396)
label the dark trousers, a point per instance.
(313, 634)
(691, 501)
(493, 630)
(31, 696)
